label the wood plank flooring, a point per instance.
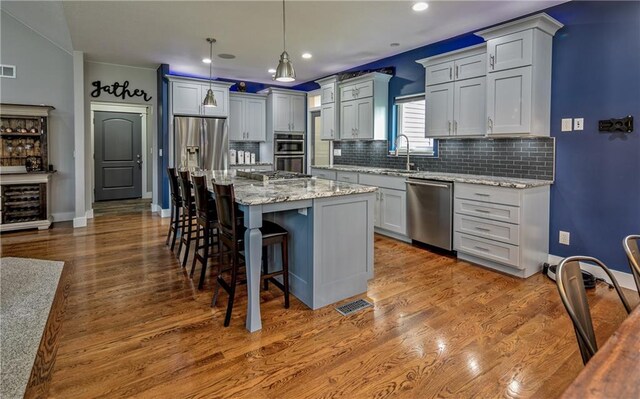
(135, 325)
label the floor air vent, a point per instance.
(353, 307)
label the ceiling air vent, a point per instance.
(8, 71)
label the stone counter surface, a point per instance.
(252, 192)
(510, 182)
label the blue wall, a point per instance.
(596, 75)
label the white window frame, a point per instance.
(429, 151)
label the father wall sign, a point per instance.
(119, 90)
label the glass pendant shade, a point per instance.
(285, 71)
(210, 100)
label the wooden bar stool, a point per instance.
(176, 206)
(207, 221)
(231, 233)
(188, 216)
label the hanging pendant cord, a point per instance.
(211, 63)
(284, 28)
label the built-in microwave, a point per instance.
(288, 144)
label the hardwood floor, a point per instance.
(135, 325)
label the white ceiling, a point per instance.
(339, 34)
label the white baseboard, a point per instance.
(63, 216)
(165, 213)
(624, 279)
(79, 222)
(155, 208)
(147, 195)
(89, 214)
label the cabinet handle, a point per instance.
(331, 96)
(492, 61)
(482, 195)
(482, 211)
(381, 197)
(490, 122)
(456, 72)
(450, 73)
(482, 229)
(455, 126)
(482, 248)
(449, 126)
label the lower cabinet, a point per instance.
(393, 210)
(505, 229)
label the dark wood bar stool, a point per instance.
(187, 221)
(176, 206)
(207, 220)
(231, 233)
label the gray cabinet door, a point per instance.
(328, 93)
(255, 122)
(118, 155)
(509, 101)
(439, 110)
(469, 109)
(393, 211)
(348, 119)
(237, 131)
(328, 115)
(439, 73)
(186, 98)
(220, 95)
(282, 112)
(364, 124)
(298, 116)
(510, 51)
(470, 67)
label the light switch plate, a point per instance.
(578, 124)
(567, 124)
(565, 237)
(337, 152)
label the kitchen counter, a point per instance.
(511, 182)
(249, 165)
(253, 192)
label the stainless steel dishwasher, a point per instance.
(430, 212)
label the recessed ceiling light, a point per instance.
(394, 44)
(206, 60)
(306, 55)
(272, 70)
(420, 6)
(226, 56)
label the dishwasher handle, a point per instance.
(423, 183)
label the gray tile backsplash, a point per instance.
(245, 146)
(531, 158)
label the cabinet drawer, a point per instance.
(392, 182)
(356, 90)
(471, 67)
(502, 213)
(496, 195)
(487, 249)
(349, 177)
(492, 230)
(439, 73)
(324, 174)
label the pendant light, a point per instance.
(284, 72)
(210, 99)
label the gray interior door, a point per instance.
(118, 155)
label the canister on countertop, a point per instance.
(241, 157)
(232, 157)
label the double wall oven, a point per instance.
(288, 152)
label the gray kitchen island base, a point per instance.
(330, 247)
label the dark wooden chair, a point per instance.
(187, 222)
(207, 221)
(176, 206)
(231, 233)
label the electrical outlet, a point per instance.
(337, 152)
(567, 124)
(578, 124)
(565, 238)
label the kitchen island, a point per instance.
(330, 228)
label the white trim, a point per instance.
(62, 216)
(89, 214)
(165, 213)
(121, 65)
(79, 138)
(624, 279)
(146, 111)
(79, 222)
(148, 194)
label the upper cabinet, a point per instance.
(455, 93)
(288, 111)
(329, 112)
(187, 96)
(519, 76)
(247, 117)
(364, 107)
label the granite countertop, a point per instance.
(248, 165)
(253, 192)
(511, 182)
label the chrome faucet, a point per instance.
(396, 145)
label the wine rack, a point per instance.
(24, 203)
(23, 141)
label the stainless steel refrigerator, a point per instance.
(201, 143)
